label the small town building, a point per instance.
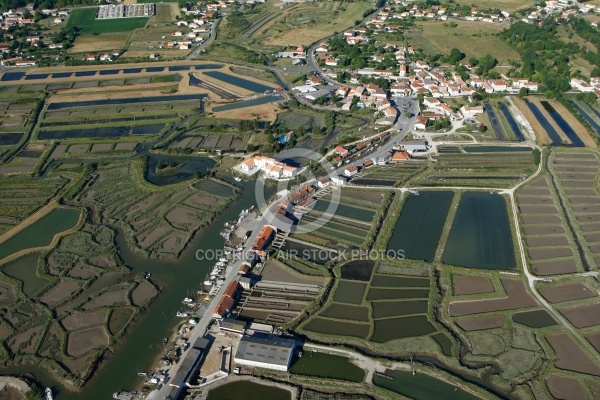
(351, 171)
(190, 365)
(265, 351)
(323, 183)
(412, 146)
(232, 325)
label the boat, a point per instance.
(181, 314)
(188, 300)
(123, 395)
(148, 275)
(237, 178)
(48, 393)
(142, 373)
(165, 340)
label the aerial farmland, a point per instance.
(299, 200)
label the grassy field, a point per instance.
(149, 40)
(271, 26)
(504, 5)
(102, 42)
(311, 22)
(474, 39)
(84, 19)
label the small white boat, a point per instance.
(222, 259)
(181, 314)
(148, 275)
(237, 178)
(188, 300)
(48, 394)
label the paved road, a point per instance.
(200, 329)
(398, 132)
(213, 34)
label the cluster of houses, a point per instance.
(207, 11)
(565, 8)
(305, 195)
(418, 77)
(384, 20)
(585, 87)
(272, 168)
(23, 16)
(19, 17)
(108, 57)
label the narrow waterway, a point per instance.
(143, 344)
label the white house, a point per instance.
(469, 112)
(581, 85)
(248, 165)
(499, 85)
(289, 171)
(382, 160)
(323, 183)
(411, 146)
(351, 171)
(420, 123)
(338, 180)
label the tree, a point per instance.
(523, 92)
(455, 56)
(486, 63)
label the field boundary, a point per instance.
(52, 244)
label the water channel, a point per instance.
(177, 279)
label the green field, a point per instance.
(84, 19)
(474, 39)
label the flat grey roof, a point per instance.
(265, 348)
(201, 343)
(413, 142)
(231, 323)
(187, 367)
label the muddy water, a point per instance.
(177, 279)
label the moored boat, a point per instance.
(48, 393)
